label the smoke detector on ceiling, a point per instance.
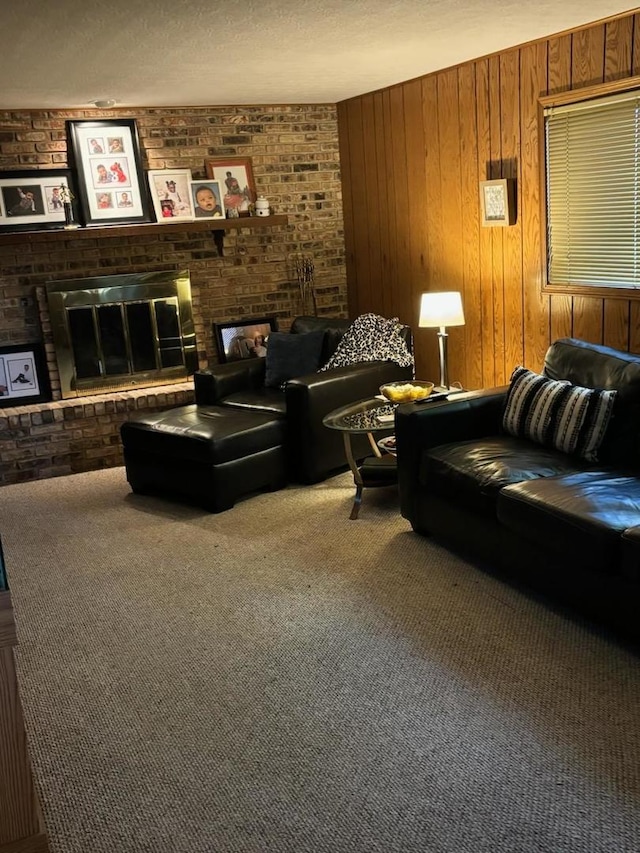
(104, 103)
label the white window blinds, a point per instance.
(593, 192)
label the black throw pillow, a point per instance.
(290, 355)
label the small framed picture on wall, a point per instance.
(497, 202)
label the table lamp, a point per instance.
(438, 310)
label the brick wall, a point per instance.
(294, 153)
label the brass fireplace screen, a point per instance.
(122, 331)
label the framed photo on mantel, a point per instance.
(235, 175)
(111, 181)
(33, 199)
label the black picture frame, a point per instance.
(106, 155)
(24, 378)
(28, 201)
(236, 339)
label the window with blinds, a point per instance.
(593, 192)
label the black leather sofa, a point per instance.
(557, 523)
(312, 451)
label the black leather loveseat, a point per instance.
(563, 525)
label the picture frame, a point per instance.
(23, 375)
(206, 197)
(171, 195)
(43, 208)
(497, 202)
(236, 340)
(236, 179)
(111, 182)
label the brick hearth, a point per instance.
(70, 436)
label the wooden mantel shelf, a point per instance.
(217, 226)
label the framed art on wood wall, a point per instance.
(236, 178)
(32, 200)
(497, 202)
(23, 375)
(111, 180)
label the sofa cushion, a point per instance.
(258, 400)
(333, 328)
(596, 366)
(557, 414)
(473, 472)
(579, 516)
(371, 338)
(290, 355)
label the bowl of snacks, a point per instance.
(406, 392)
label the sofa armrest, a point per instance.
(214, 384)
(316, 448)
(419, 426)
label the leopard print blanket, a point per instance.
(371, 338)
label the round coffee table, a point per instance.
(366, 416)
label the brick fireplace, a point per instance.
(294, 151)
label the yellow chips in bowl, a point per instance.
(406, 392)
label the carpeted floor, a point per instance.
(279, 678)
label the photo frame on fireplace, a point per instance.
(242, 339)
(111, 181)
(207, 199)
(171, 194)
(236, 179)
(23, 375)
(32, 199)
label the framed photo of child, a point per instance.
(171, 195)
(207, 199)
(33, 199)
(109, 168)
(235, 175)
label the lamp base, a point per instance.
(452, 389)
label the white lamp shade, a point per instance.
(441, 309)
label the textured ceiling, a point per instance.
(68, 53)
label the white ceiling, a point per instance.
(68, 53)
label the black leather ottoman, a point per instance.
(211, 455)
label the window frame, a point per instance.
(574, 96)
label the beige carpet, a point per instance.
(279, 678)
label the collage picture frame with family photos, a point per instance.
(110, 176)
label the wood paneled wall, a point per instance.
(412, 157)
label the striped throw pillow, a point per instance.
(557, 414)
